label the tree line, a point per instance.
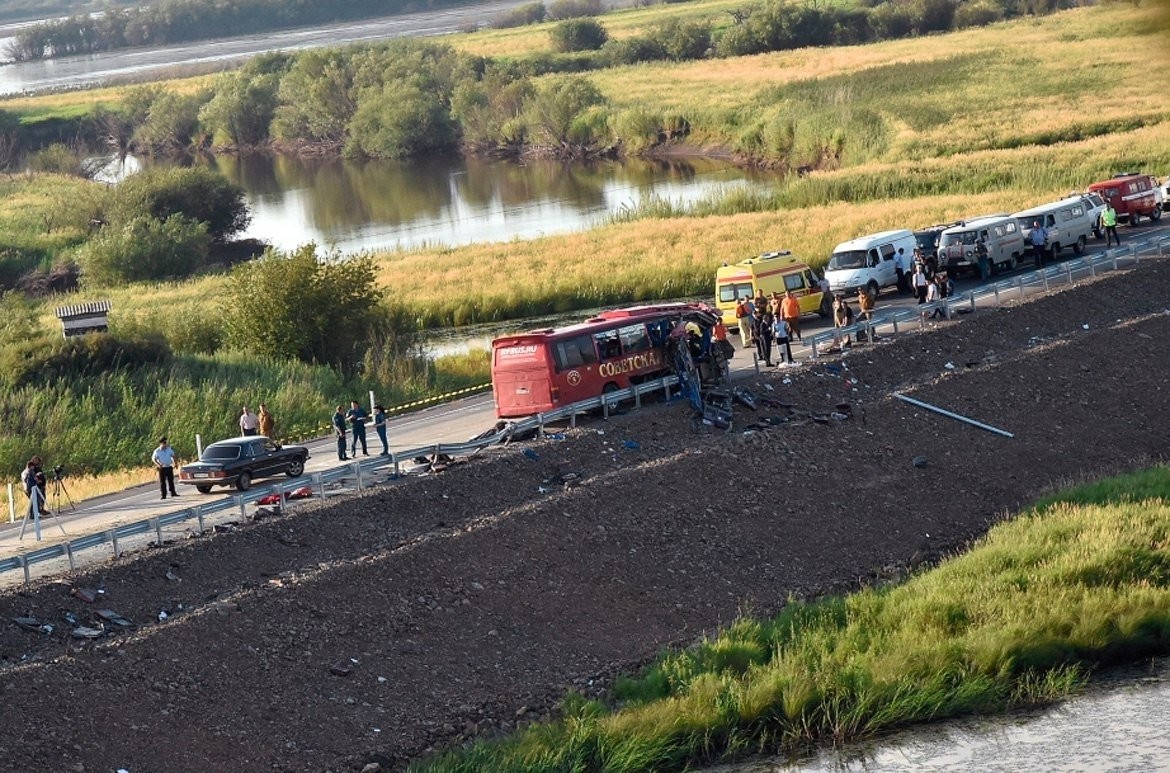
(178, 21)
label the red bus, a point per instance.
(1133, 195)
(546, 369)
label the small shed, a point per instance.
(83, 318)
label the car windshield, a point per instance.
(847, 259)
(220, 453)
(962, 237)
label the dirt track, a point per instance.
(375, 629)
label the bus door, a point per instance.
(575, 361)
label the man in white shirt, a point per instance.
(164, 461)
(249, 422)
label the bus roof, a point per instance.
(607, 320)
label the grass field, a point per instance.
(1077, 583)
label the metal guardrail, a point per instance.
(358, 470)
(890, 323)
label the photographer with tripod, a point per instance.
(33, 478)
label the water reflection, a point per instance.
(354, 205)
(1118, 725)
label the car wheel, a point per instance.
(296, 468)
(203, 489)
(1079, 247)
(244, 482)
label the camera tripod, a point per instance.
(35, 503)
(59, 490)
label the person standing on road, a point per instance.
(790, 313)
(249, 422)
(983, 259)
(865, 305)
(1038, 238)
(783, 339)
(920, 283)
(762, 333)
(339, 432)
(900, 270)
(1109, 224)
(267, 422)
(743, 316)
(842, 318)
(357, 420)
(164, 461)
(933, 295)
(33, 478)
(380, 428)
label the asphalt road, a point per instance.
(453, 422)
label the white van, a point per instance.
(868, 261)
(1069, 223)
(1001, 234)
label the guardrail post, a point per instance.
(1133, 250)
(11, 504)
(319, 480)
(605, 407)
(756, 362)
(157, 532)
(1020, 285)
(280, 496)
(1045, 275)
(357, 469)
(815, 353)
(1092, 267)
(24, 566)
(198, 511)
(995, 292)
(1068, 272)
(894, 325)
(69, 555)
(539, 426)
(573, 420)
(112, 538)
(394, 461)
(1114, 258)
(637, 398)
(240, 503)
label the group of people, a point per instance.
(770, 322)
(261, 423)
(356, 418)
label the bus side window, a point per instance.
(608, 344)
(634, 338)
(574, 352)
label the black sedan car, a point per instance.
(239, 461)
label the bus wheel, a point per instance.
(1155, 214)
(872, 289)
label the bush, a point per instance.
(574, 9)
(59, 159)
(978, 14)
(400, 122)
(637, 129)
(80, 357)
(144, 248)
(171, 125)
(631, 51)
(197, 193)
(520, 16)
(578, 35)
(683, 39)
(890, 21)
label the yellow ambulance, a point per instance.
(767, 273)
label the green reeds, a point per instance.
(1079, 582)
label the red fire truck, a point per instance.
(546, 369)
(1133, 195)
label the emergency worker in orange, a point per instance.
(790, 313)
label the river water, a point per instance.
(1120, 723)
(379, 205)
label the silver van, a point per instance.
(1068, 223)
(1001, 233)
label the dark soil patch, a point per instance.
(464, 603)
